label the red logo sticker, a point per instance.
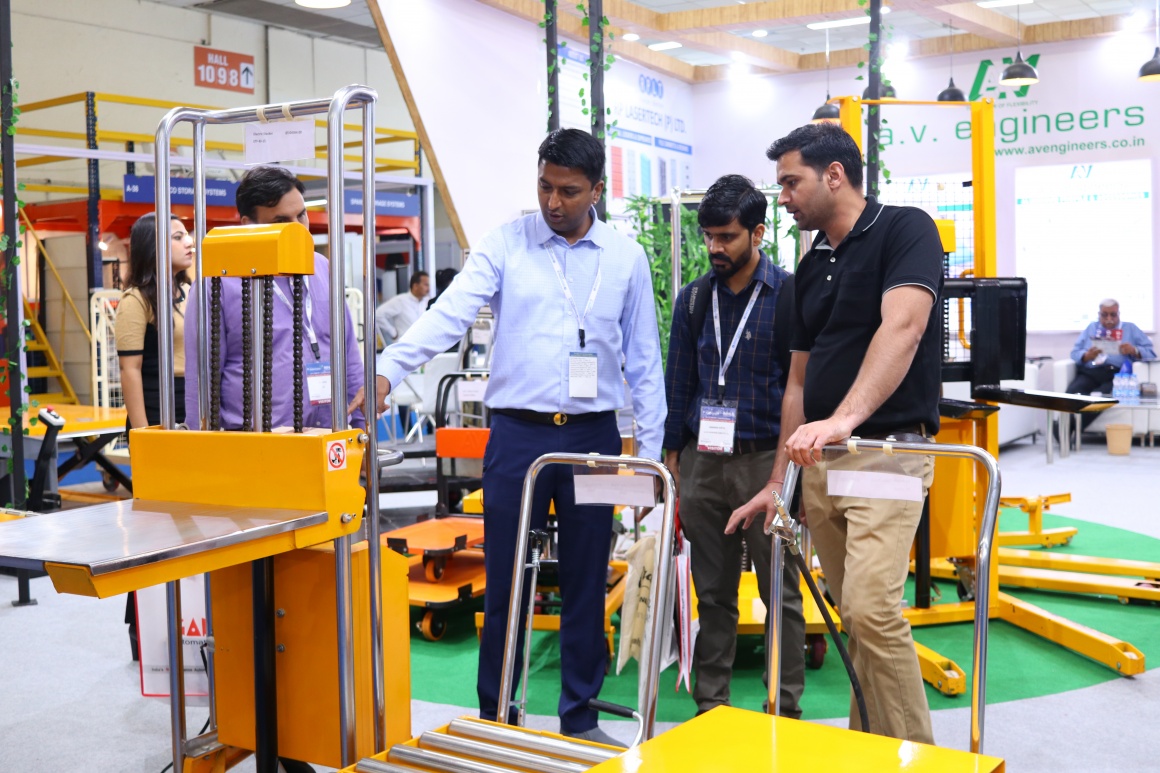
(336, 455)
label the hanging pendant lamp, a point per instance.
(1150, 71)
(827, 113)
(952, 93)
(1019, 73)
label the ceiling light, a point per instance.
(1019, 73)
(323, 4)
(827, 113)
(103, 245)
(630, 37)
(1137, 22)
(1151, 69)
(852, 22)
(668, 45)
(952, 93)
(760, 33)
(1003, 3)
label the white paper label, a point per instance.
(631, 490)
(153, 637)
(279, 141)
(471, 390)
(582, 375)
(873, 485)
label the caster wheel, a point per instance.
(432, 627)
(965, 593)
(816, 647)
(433, 569)
(1124, 600)
(108, 482)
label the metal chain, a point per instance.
(267, 353)
(298, 334)
(215, 352)
(247, 356)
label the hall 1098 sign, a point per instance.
(226, 70)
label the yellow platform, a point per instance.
(78, 420)
(730, 739)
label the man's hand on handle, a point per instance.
(761, 504)
(383, 387)
(805, 445)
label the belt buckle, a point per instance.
(560, 419)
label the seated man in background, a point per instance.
(394, 316)
(1102, 348)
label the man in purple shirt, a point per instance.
(269, 194)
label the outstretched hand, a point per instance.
(383, 387)
(761, 504)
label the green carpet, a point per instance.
(1020, 664)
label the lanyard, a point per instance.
(309, 315)
(568, 291)
(728, 358)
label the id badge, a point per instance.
(582, 372)
(318, 383)
(718, 424)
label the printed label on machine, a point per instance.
(873, 485)
(471, 390)
(153, 636)
(279, 141)
(318, 382)
(336, 455)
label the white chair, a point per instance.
(1064, 371)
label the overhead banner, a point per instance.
(142, 189)
(386, 203)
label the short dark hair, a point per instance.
(821, 144)
(574, 149)
(417, 277)
(264, 186)
(732, 197)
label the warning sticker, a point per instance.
(336, 455)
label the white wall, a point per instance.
(477, 76)
(737, 119)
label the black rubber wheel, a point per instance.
(816, 646)
(108, 482)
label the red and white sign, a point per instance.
(336, 455)
(226, 70)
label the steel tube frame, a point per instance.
(658, 593)
(982, 556)
(776, 592)
(334, 107)
(543, 744)
(176, 670)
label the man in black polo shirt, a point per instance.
(722, 429)
(866, 363)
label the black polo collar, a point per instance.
(870, 214)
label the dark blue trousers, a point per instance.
(585, 535)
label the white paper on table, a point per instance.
(471, 390)
(153, 637)
(1107, 345)
(291, 140)
(873, 485)
(631, 490)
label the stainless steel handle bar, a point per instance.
(982, 560)
(650, 666)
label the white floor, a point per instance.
(70, 698)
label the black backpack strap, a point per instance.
(698, 301)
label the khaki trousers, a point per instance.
(712, 487)
(864, 548)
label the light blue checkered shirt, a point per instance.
(535, 327)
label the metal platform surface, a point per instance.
(121, 535)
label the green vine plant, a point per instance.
(887, 35)
(13, 355)
(654, 234)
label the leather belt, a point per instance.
(757, 446)
(915, 433)
(557, 419)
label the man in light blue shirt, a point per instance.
(1102, 348)
(574, 319)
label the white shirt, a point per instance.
(395, 316)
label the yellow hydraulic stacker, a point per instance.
(287, 501)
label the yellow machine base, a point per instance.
(730, 739)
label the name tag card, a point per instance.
(318, 383)
(582, 374)
(718, 422)
(602, 489)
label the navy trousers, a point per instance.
(585, 536)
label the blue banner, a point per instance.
(396, 204)
(626, 134)
(670, 145)
(142, 189)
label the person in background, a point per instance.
(443, 279)
(394, 316)
(135, 331)
(731, 365)
(1102, 348)
(270, 194)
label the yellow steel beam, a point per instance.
(112, 194)
(1113, 653)
(1046, 537)
(1123, 588)
(54, 102)
(1044, 559)
(41, 160)
(983, 190)
(28, 131)
(943, 674)
(956, 612)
